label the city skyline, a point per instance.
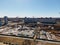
(30, 8)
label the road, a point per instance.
(41, 40)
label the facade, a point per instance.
(30, 20)
(58, 21)
(0, 23)
(5, 20)
(42, 20)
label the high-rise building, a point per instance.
(5, 20)
(0, 23)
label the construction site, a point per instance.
(17, 31)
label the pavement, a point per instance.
(2, 43)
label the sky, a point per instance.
(30, 8)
